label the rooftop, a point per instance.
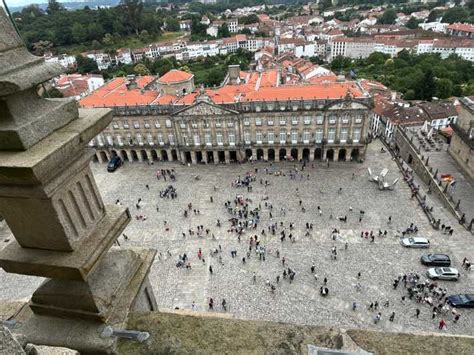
(175, 76)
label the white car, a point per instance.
(415, 242)
(443, 273)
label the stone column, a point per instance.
(204, 156)
(170, 155)
(193, 157)
(300, 153)
(182, 157)
(324, 154)
(311, 154)
(265, 154)
(227, 156)
(62, 229)
(254, 153)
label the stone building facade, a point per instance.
(205, 132)
(461, 146)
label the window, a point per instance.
(231, 138)
(230, 124)
(247, 138)
(294, 137)
(182, 124)
(345, 119)
(139, 139)
(306, 137)
(307, 120)
(149, 139)
(294, 121)
(270, 121)
(100, 141)
(246, 121)
(194, 125)
(358, 119)
(282, 121)
(119, 140)
(332, 119)
(331, 135)
(258, 121)
(208, 139)
(318, 135)
(147, 124)
(343, 135)
(185, 140)
(160, 139)
(136, 124)
(125, 125)
(197, 139)
(110, 140)
(319, 118)
(218, 123)
(168, 123)
(115, 125)
(356, 135)
(129, 139)
(157, 124)
(258, 137)
(219, 138)
(282, 137)
(271, 137)
(171, 139)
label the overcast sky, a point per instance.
(22, 2)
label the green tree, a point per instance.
(172, 24)
(141, 69)
(412, 23)
(132, 11)
(223, 31)
(215, 77)
(444, 88)
(456, 14)
(54, 7)
(426, 88)
(433, 16)
(247, 20)
(86, 65)
(79, 33)
(388, 17)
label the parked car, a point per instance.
(443, 273)
(415, 242)
(462, 300)
(114, 164)
(435, 260)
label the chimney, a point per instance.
(234, 73)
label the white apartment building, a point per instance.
(352, 47)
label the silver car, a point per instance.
(415, 242)
(443, 273)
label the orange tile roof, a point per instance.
(115, 93)
(269, 78)
(465, 27)
(174, 76)
(323, 78)
(305, 92)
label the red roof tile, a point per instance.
(174, 76)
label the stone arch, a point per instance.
(210, 157)
(330, 154)
(144, 155)
(174, 154)
(134, 155)
(306, 154)
(341, 156)
(124, 155)
(355, 154)
(103, 156)
(95, 158)
(259, 154)
(248, 153)
(271, 154)
(164, 155)
(154, 155)
(187, 157)
(221, 156)
(199, 156)
(282, 154)
(294, 153)
(318, 154)
(114, 153)
(233, 156)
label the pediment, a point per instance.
(347, 105)
(204, 109)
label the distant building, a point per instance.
(461, 30)
(77, 85)
(352, 47)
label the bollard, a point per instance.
(457, 205)
(427, 160)
(125, 334)
(470, 225)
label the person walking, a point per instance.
(392, 317)
(417, 313)
(210, 269)
(442, 324)
(211, 304)
(354, 306)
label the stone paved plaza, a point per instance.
(299, 302)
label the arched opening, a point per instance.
(355, 154)
(259, 154)
(164, 155)
(210, 157)
(154, 155)
(104, 157)
(199, 157)
(95, 158)
(248, 153)
(306, 154)
(187, 157)
(410, 159)
(174, 155)
(282, 154)
(144, 155)
(318, 154)
(271, 154)
(221, 156)
(233, 156)
(341, 155)
(134, 155)
(124, 155)
(294, 153)
(114, 153)
(330, 154)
